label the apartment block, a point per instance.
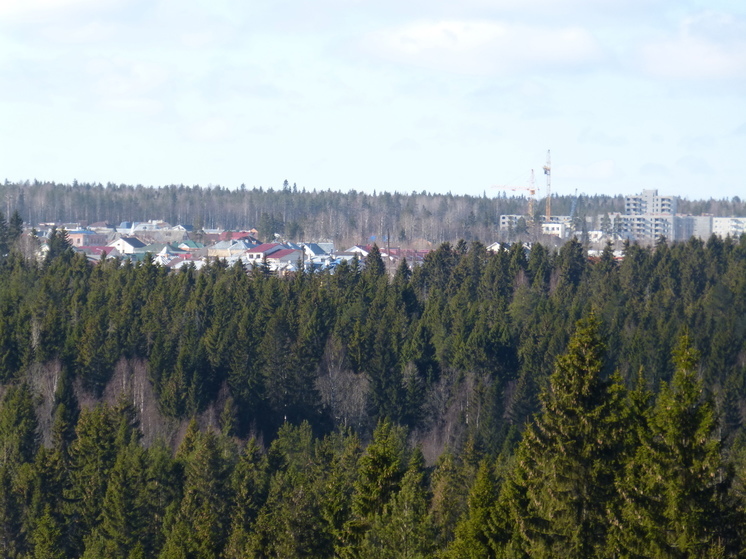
(729, 226)
(649, 203)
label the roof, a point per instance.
(236, 235)
(283, 253)
(134, 242)
(315, 249)
(96, 250)
(266, 247)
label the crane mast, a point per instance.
(548, 173)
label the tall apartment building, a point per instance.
(648, 216)
(649, 203)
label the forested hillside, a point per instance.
(230, 413)
(421, 219)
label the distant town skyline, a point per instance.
(386, 96)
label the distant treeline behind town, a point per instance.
(413, 219)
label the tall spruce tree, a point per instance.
(556, 498)
(403, 529)
(473, 534)
(675, 489)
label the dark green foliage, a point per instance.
(675, 489)
(200, 525)
(18, 427)
(58, 246)
(455, 353)
(473, 535)
(403, 528)
(563, 482)
(47, 542)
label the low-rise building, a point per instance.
(84, 237)
(127, 245)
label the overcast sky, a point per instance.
(377, 95)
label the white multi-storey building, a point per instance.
(725, 226)
(649, 203)
(648, 217)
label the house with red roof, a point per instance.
(257, 254)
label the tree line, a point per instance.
(440, 411)
(408, 219)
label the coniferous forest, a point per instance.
(510, 404)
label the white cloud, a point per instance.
(486, 47)
(708, 46)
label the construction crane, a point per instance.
(548, 173)
(531, 188)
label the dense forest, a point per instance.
(510, 404)
(413, 220)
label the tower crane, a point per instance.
(548, 173)
(531, 188)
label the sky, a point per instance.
(464, 96)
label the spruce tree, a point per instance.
(46, 538)
(379, 474)
(124, 511)
(404, 528)
(473, 533)
(18, 427)
(563, 482)
(675, 490)
(200, 527)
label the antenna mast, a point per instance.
(548, 173)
